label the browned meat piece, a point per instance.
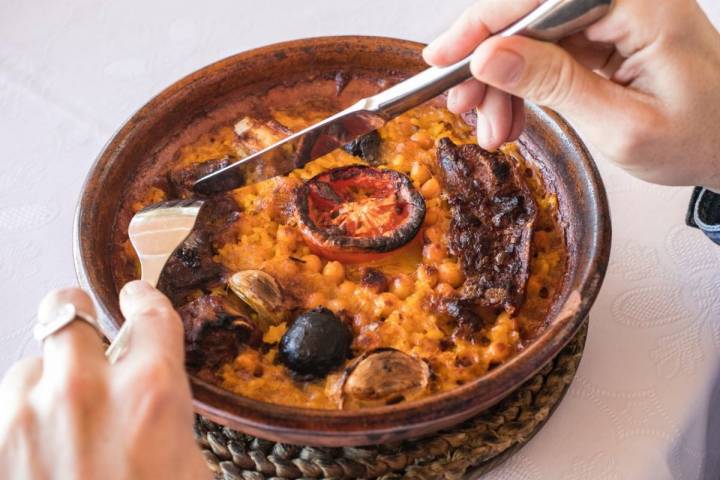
(468, 320)
(253, 135)
(191, 265)
(366, 147)
(214, 331)
(218, 213)
(182, 178)
(281, 204)
(493, 214)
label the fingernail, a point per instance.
(483, 129)
(433, 48)
(451, 99)
(136, 287)
(503, 67)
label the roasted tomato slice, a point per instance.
(358, 213)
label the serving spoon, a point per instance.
(155, 232)
(552, 20)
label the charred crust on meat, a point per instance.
(191, 265)
(366, 147)
(182, 179)
(219, 212)
(214, 331)
(492, 218)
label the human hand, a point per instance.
(641, 85)
(72, 415)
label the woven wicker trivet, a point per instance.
(472, 448)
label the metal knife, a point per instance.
(552, 20)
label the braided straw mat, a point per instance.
(463, 452)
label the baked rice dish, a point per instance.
(408, 263)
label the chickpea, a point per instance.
(435, 334)
(434, 253)
(402, 286)
(385, 304)
(435, 203)
(312, 264)
(444, 289)
(289, 267)
(423, 139)
(405, 126)
(450, 272)
(420, 173)
(504, 318)
(430, 189)
(398, 162)
(334, 271)
(286, 237)
(423, 156)
(431, 216)
(346, 289)
(336, 305)
(427, 275)
(497, 352)
(315, 299)
(360, 320)
(499, 333)
(433, 234)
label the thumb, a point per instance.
(546, 74)
(156, 328)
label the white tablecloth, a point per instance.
(71, 71)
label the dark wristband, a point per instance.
(704, 213)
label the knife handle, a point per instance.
(551, 21)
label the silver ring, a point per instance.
(65, 315)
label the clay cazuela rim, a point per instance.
(195, 104)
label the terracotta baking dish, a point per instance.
(196, 102)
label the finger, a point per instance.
(621, 28)
(18, 419)
(466, 96)
(15, 390)
(589, 54)
(494, 120)
(20, 378)
(546, 74)
(156, 328)
(611, 68)
(478, 22)
(76, 344)
(518, 121)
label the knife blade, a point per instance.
(552, 20)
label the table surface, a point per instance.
(71, 71)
